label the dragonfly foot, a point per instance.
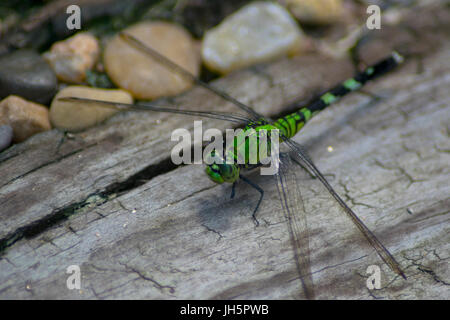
(254, 219)
(233, 187)
(261, 191)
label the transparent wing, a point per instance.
(295, 215)
(306, 162)
(231, 117)
(179, 70)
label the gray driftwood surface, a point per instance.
(110, 201)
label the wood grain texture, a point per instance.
(109, 199)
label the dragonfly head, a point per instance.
(219, 171)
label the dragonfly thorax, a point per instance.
(242, 153)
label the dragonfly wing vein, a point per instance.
(384, 254)
(295, 215)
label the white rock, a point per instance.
(258, 32)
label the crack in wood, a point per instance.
(72, 153)
(101, 197)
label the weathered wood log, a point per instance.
(110, 201)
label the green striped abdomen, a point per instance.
(294, 122)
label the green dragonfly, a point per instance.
(290, 164)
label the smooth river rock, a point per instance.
(76, 116)
(258, 32)
(315, 12)
(71, 58)
(26, 118)
(25, 73)
(135, 71)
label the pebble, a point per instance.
(135, 71)
(76, 116)
(257, 32)
(315, 12)
(25, 73)
(6, 134)
(71, 58)
(26, 118)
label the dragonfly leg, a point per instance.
(260, 190)
(233, 189)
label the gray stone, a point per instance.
(6, 134)
(25, 73)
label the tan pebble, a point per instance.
(76, 116)
(25, 117)
(71, 58)
(258, 32)
(316, 12)
(135, 71)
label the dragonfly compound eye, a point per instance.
(213, 172)
(220, 173)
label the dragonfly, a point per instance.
(289, 164)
